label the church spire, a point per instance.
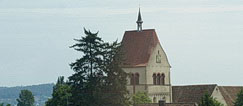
(139, 22)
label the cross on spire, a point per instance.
(139, 22)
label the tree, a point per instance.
(141, 98)
(86, 82)
(239, 100)
(206, 100)
(2, 104)
(61, 94)
(26, 98)
(97, 76)
(115, 79)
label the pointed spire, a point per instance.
(139, 21)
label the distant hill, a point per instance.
(41, 92)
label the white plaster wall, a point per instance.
(218, 96)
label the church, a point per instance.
(149, 71)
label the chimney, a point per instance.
(161, 102)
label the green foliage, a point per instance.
(2, 104)
(61, 94)
(206, 100)
(141, 98)
(239, 100)
(115, 80)
(26, 98)
(97, 77)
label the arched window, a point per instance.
(154, 79)
(162, 79)
(132, 79)
(158, 79)
(136, 78)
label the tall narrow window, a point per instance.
(162, 79)
(136, 79)
(158, 79)
(154, 79)
(132, 79)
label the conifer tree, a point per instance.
(98, 80)
(115, 79)
(86, 82)
(239, 100)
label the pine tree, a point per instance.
(239, 100)
(98, 76)
(26, 98)
(86, 82)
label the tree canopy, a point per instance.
(239, 100)
(61, 94)
(207, 100)
(97, 76)
(26, 98)
(141, 98)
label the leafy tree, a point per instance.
(97, 76)
(206, 100)
(8, 105)
(141, 98)
(26, 98)
(61, 94)
(239, 100)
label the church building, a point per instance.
(149, 71)
(146, 62)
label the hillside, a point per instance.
(41, 92)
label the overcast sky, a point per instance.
(203, 39)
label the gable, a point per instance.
(230, 93)
(158, 54)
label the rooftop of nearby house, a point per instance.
(191, 93)
(230, 93)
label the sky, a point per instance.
(203, 39)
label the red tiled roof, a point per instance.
(191, 93)
(230, 93)
(137, 47)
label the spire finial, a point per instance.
(139, 21)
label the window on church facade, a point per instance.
(154, 79)
(162, 79)
(132, 79)
(158, 79)
(136, 78)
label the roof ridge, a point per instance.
(197, 85)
